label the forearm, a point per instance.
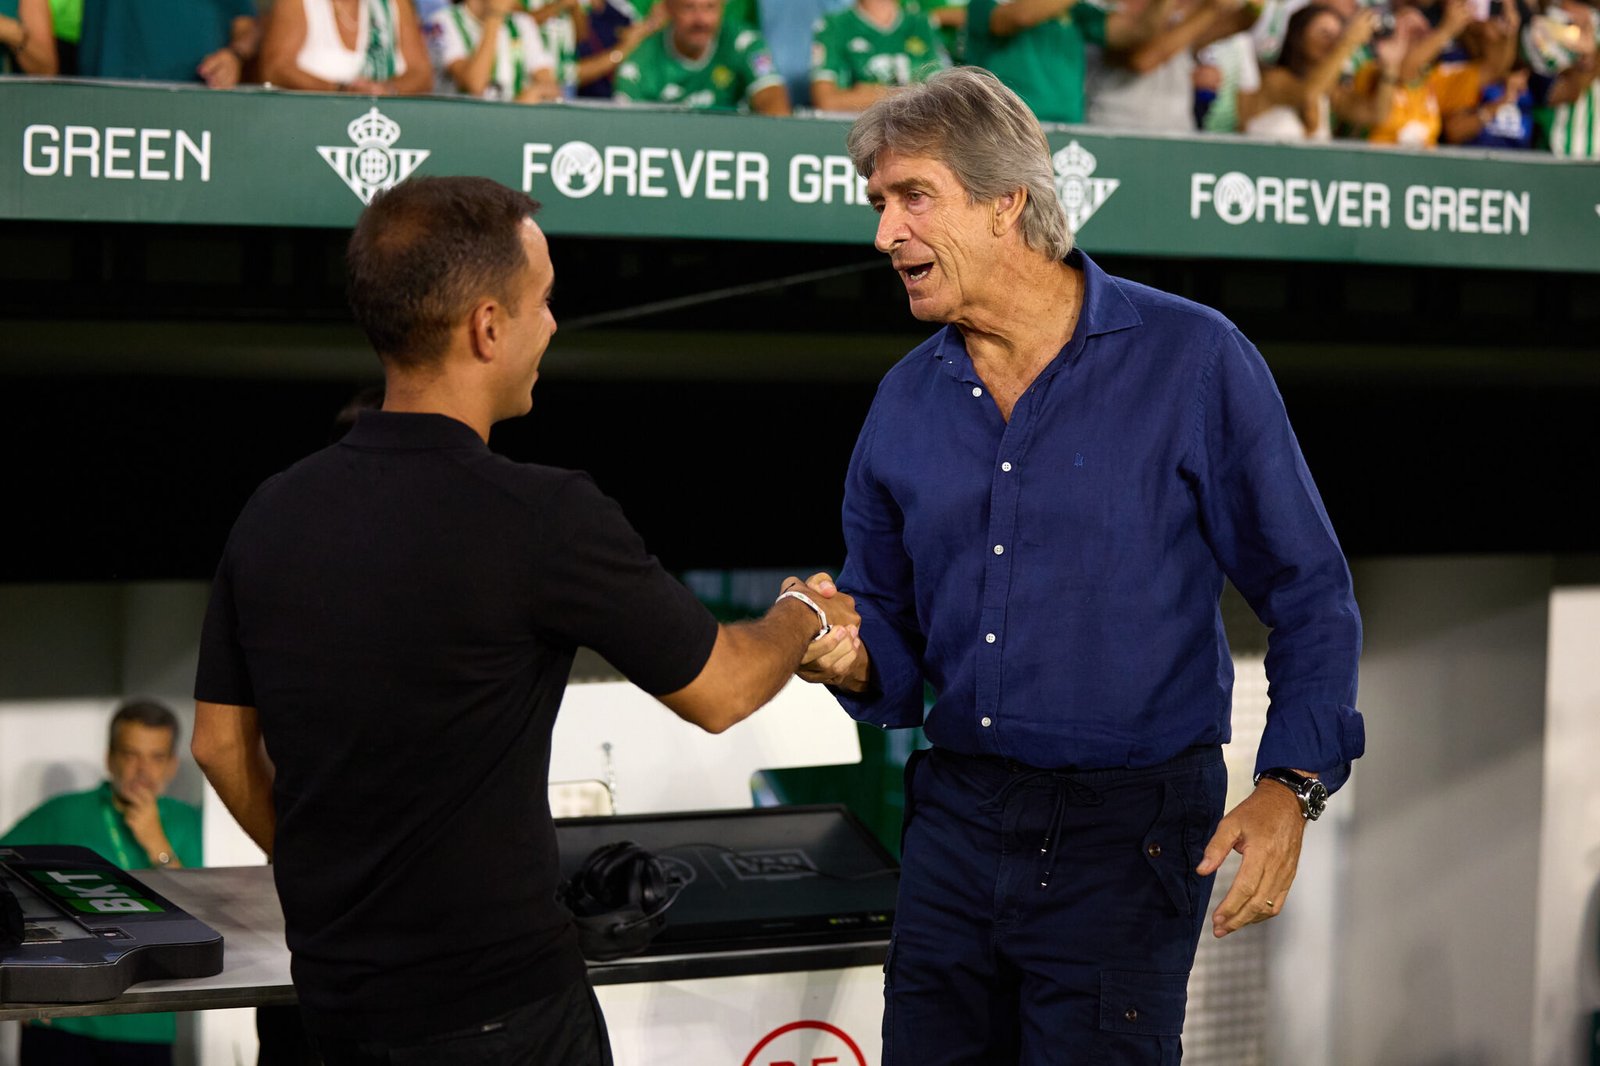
(773, 100)
(1162, 45)
(1125, 32)
(417, 79)
(244, 38)
(30, 43)
(1571, 84)
(604, 64)
(827, 96)
(1323, 76)
(1461, 127)
(1364, 111)
(472, 74)
(227, 746)
(1008, 20)
(1422, 55)
(749, 663)
(542, 88)
(1223, 26)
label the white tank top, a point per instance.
(1283, 123)
(324, 55)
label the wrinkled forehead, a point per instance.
(895, 171)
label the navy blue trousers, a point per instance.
(1048, 917)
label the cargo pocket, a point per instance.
(1166, 849)
(1141, 1018)
(888, 1003)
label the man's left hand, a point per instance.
(1266, 829)
(221, 69)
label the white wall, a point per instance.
(1567, 961)
(1436, 958)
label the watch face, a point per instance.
(1316, 797)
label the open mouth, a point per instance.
(917, 272)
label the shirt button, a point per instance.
(976, 391)
(989, 637)
(1153, 850)
(987, 721)
(1006, 467)
(1131, 1014)
(999, 549)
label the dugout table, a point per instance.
(772, 952)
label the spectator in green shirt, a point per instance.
(27, 43)
(208, 41)
(127, 821)
(862, 52)
(701, 60)
(1036, 47)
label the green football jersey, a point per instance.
(849, 50)
(733, 70)
(561, 41)
(1043, 64)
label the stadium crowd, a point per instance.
(1507, 74)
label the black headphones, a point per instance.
(618, 899)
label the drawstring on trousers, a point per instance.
(1069, 792)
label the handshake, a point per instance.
(837, 657)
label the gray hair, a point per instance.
(984, 133)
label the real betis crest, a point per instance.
(1081, 193)
(373, 164)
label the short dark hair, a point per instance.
(426, 248)
(146, 713)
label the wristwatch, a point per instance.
(1312, 794)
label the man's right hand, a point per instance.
(140, 810)
(839, 658)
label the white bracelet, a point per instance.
(796, 594)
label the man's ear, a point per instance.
(483, 326)
(1006, 211)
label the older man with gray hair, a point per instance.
(1040, 513)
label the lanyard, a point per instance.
(114, 832)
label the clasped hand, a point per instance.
(839, 658)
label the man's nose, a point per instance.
(891, 231)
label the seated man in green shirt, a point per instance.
(207, 41)
(701, 60)
(869, 48)
(128, 821)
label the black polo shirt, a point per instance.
(403, 608)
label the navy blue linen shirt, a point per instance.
(1057, 578)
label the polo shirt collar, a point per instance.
(405, 430)
(1106, 309)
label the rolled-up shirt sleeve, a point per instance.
(878, 573)
(1265, 523)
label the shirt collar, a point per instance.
(408, 431)
(1106, 309)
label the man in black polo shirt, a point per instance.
(395, 617)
